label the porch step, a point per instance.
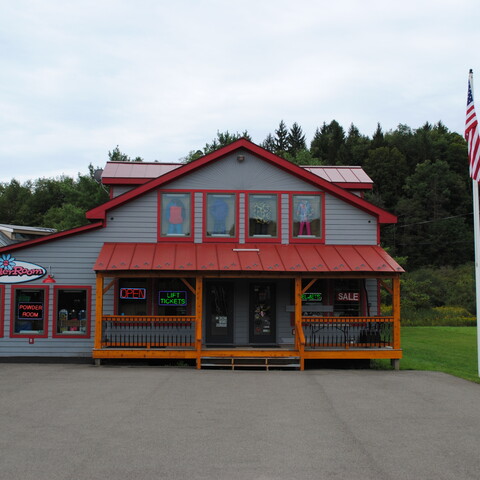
(253, 363)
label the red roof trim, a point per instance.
(53, 236)
(383, 216)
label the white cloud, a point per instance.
(160, 78)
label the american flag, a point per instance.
(471, 133)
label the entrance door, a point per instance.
(219, 311)
(262, 313)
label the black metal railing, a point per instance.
(121, 331)
(348, 332)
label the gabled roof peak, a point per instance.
(303, 173)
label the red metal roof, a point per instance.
(137, 173)
(245, 257)
(346, 177)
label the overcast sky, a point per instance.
(160, 78)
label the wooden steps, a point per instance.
(252, 363)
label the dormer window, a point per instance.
(262, 216)
(221, 213)
(176, 219)
(306, 216)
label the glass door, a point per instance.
(219, 311)
(262, 313)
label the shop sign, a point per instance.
(347, 296)
(133, 293)
(16, 271)
(172, 298)
(30, 310)
(312, 297)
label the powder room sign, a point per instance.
(16, 271)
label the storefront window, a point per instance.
(220, 215)
(315, 300)
(176, 215)
(262, 215)
(307, 218)
(347, 298)
(132, 297)
(72, 311)
(30, 314)
(174, 298)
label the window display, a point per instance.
(307, 216)
(262, 215)
(30, 311)
(176, 217)
(220, 215)
(72, 306)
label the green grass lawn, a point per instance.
(444, 349)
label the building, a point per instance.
(239, 257)
(10, 234)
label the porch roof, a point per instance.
(226, 257)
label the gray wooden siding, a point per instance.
(241, 219)
(117, 190)
(198, 218)
(371, 286)
(285, 218)
(251, 174)
(135, 221)
(348, 225)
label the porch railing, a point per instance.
(124, 331)
(348, 332)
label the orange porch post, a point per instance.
(98, 314)
(396, 318)
(299, 336)
(198, 321)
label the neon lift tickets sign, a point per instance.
(172, 298)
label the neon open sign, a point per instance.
(133, 293)
(172, 298)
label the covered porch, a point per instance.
(295, 327)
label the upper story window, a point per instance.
(306, 216)
(221, 213)
(262, 216)
(176, 215)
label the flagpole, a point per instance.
(476, 238)
(473, 140)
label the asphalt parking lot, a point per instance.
(64, 421)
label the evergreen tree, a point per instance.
(328, 144)
(281, 139)
(296, 140)
(269, 143)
